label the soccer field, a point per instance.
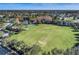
(47, 36)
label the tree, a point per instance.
(35, 50)
(56, 51)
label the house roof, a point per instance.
(76, 21)
(43, 17)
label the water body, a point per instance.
(3, 51)
(6, 50)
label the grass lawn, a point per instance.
(47, 36)
(1, 33)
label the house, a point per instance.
(1, 17)
(10, 20)
(42, 19)
(13, 28)
(18, 19)
(76, 21)
(5, 35)
(26, 20)
(8, 25)
(1, 29)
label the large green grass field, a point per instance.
(47, 36)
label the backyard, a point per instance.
(47, 36)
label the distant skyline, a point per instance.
(39, 6)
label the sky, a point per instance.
(39, 6)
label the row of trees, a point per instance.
(21, 48)
(71, 51)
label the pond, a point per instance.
(3, 51)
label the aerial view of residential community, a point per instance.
(39, 29)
